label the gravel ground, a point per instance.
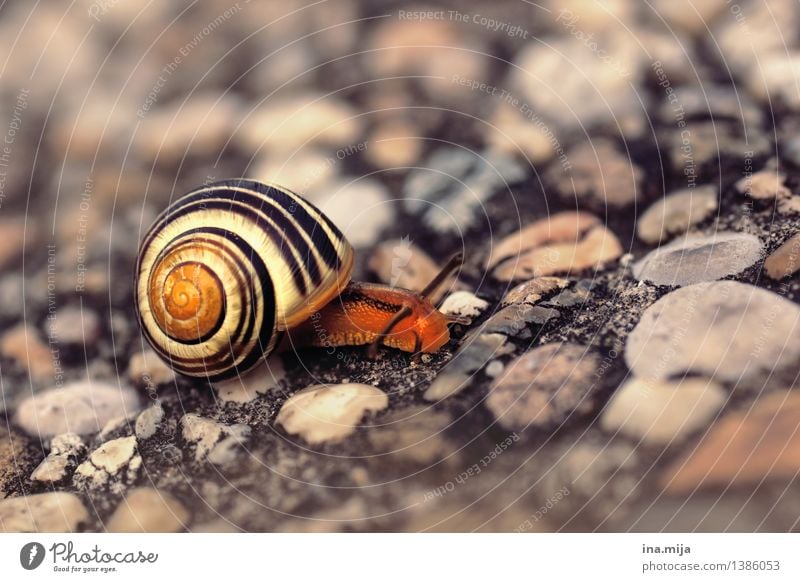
(623, 179)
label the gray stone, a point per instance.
(46, 512)
(326, 414)
(696, 258)
(81, 407)
(545, 387)
(658, 412)
(724, 330)
(676, 213)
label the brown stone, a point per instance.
(744, 447)
(567, 242)
(785, 260)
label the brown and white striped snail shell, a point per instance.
(228, 267)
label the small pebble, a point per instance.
(395, 144)
(213, 439)
(56, 512)
(74, 326)
(580, 295)
(600, 176)
(532, 291)
(545, 387)
(149, 370)
(148, 420)
(660, 412)
(65, 449)
(785, 260)
(463, 304)
(330, 413)
(514, 320)
(361, 208)
(108, 461)
(743, 448)
(697, 258)
(676, 213)
(147, 510)
(724, 330)
(495, 368)
(22, 345)
(15, 239)
(764, 185)
(80, 407)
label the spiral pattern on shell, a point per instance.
(229, 266)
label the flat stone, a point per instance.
(214, 440)
(723, 330)
(697, 258)
(676, 213)
(564, 243)
(476, 351)
(785, 260)
(659, 412)
(80, 407)
(545, 387)
(147, 510)
(330, 413)
(55, 512)
(743, 448)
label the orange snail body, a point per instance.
(229, 267)
(362, 313)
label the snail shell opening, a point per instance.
(228, 267)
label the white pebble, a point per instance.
(322, 414)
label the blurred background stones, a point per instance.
(622, 177)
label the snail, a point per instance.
(231, 266)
